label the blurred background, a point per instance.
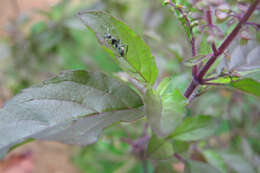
(39, 39)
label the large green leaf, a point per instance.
(247, 85)
(138, 61)
(237, 162)
(165, 111)
(215, 160)
(73, 108)
(195, 128)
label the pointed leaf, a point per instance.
(73, 108)
(195, 128)
(247, 85)
(196, 60)
(173, 111)
(215, 160)
(138, 60)
(164, 85)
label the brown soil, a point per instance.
(51, 157)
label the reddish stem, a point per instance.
(208, 17)
(211, 26)
(220, 50)
(177, 156)
(188, 23)
(214, 49)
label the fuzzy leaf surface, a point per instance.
(72, 108)
(164, 110)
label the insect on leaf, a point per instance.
(137, 60)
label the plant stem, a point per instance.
(210, 25)
(217, 52)
(144, 163)
(188, 23)
(177, 156)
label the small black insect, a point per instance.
(116, 43)
(123, 49)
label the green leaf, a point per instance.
(254, 75)
(180, 146)
(215, 160)
(199, 167)
(38, 27)
(153, 110)
(164, 112)
(247, 150)
(159, 149)
(179, 82)
(237, 162)
(225, 80)
(195, 128)
(247, 85)
(164, 167)
(164, 85)
(20, 144)
(205, 47)
(138, 61)
(73, 108)
(196, 60)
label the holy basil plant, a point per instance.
(75, 106)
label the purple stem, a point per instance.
(194, 84)
(177, 156)
(188, 23)
(211, 26)
(255, 25)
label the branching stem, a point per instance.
(188, 24)
(218, 51)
